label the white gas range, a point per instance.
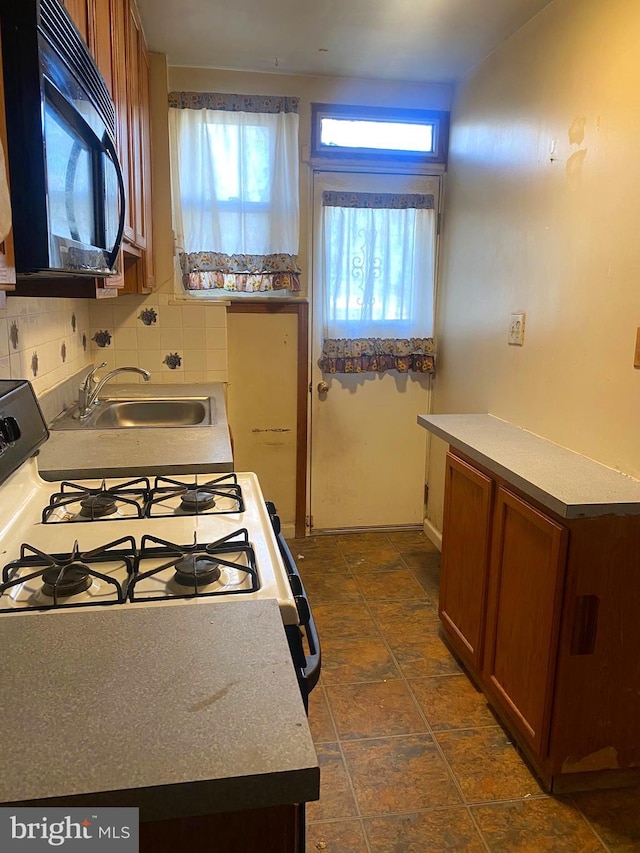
(135, 543)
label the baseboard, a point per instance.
(289, 531)
(432, 533)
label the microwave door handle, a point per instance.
(70, 179)
(111, 149)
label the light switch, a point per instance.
(516, 330)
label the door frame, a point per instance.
(301, 309)
(317, 169)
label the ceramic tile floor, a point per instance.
(412, 760)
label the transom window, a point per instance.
(340, 131)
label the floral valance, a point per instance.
(233, 103)
(379, 201)
(376, 355)
(239, 273)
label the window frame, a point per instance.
(439, 119)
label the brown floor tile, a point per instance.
(347, 661)
(423, 560)
(429, 579)
(375, 563)
(406, 621)
(536, 826)
(344, 621)
(429, 656)
(615, 815)
(336, 799)
(320, 722)
(321, 562)
(452, 702)
(313, 545)
(372, 710)
(402, 774)
(434, 831)
(325, 587)
(486, 765)
(410, 540)
(362, 543)
(395, 584)
(342, 836)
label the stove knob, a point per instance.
(9, 430)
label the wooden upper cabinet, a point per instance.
(113, 31)
(525, 597)
(134, 62)
(81, 12)
(465, 557)
(7, 259)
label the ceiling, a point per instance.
(413, 40)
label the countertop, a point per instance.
(176, 709)
(91, 453)
(565, 482)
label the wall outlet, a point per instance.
(516, 330)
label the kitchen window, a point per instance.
(234, 173)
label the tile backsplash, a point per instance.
(48, 340)
(44, 340)
(177, 343)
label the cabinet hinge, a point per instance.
(308, 521)
(426, 494)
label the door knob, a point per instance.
(323, 387)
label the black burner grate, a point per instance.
(220, 496)
(222, 554)
(84, 503)
(63, 575)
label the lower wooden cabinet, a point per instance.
(270, 830)
(525, 596)
(543, 612)
(465, 555)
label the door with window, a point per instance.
(374, 258)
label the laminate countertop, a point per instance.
(569, 484)
(136, 452)
(178, 709)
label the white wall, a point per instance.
(541, 217)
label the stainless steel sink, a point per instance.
(115, 413)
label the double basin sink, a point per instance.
(117, 413)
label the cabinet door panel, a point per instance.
(80, 15)
(465, 555)
(527, 572)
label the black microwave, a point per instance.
(67, 190)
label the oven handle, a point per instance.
(314, 660)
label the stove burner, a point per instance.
(196, 570)
(75, 578)
(97, 506)
(198, 499)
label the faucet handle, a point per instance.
(89, 379)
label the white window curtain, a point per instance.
(379, 268)
(234, 173)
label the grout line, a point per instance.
(589, 824)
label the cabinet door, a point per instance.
(134, 38)
(465, 557)
(80, 13)
(145, 184)
(525, 599)
(7, 262)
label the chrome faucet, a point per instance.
(90, 388)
